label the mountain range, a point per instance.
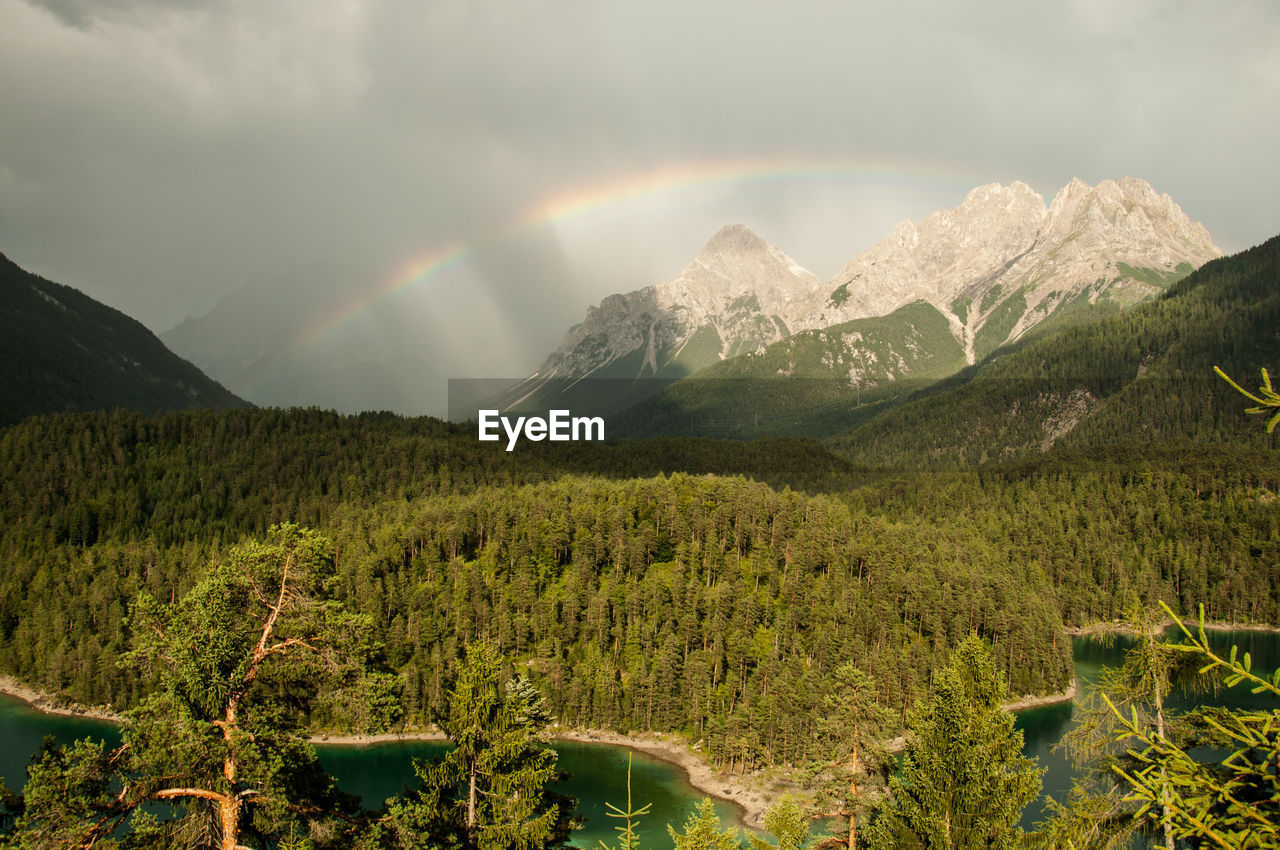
(744, 341)
(1144, 375)
(948, 291)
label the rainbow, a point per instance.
(666, 182)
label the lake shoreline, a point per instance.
(1122, 627)
(51, 704)
(1030, 701)
(751, 802)
(749, 797)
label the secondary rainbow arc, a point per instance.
(669, 180)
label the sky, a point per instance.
(486, 170)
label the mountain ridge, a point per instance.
(1138, 376)
(63, 350)
(996, 266)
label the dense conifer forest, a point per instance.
(712, 604)
(727, 591)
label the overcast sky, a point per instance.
(161, 155)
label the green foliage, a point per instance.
(1158, 278)
(72, 797)
(1000, 322)
(1230, 801)
(1094, 814)
(1269, 401)
(293, 841)
(702, 831)
(492, 790)
(787, 824)
(231, 662)
(963, 781)
(853, 727)
(839, 295)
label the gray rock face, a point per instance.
(935, 260)
(1002, 262)
(997, 266)
(739, 294)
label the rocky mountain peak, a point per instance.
(1003, 254)
(996, 265)
(1146, 228)
(733, 239)
(1014, 197)
(738, 294)
(989, 229)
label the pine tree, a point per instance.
(702, 831)
(963, 781)
(1231, 802)
(215, 736)
(852, 726)
(493, 788)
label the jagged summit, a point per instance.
(1002, 262)
(997, 265)
(732, 239)
(927, 261)
(738, 294)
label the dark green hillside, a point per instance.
(61, 350)
(78, 478)
(812, 383)
(1145, 374)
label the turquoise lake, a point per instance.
(599, 771)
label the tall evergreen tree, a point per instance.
(493, 788)
(852, 726)
(234, 660)
(702, 831)
(963, 781)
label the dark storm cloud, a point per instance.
(160, 155)
(83, 13)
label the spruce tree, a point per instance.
(234, 660)
(702, 831)
(963, 781)
(493, 788)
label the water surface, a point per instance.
(599, 771)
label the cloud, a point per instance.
(83, 14)
(162, 155)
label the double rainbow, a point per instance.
(667, 182)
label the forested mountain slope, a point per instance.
(1146, 374)
(813, 383)
(62, 350)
